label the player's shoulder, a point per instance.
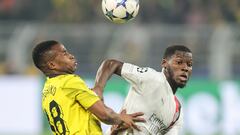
(148, 71)
(70, 78)
(139, 69)
(73, 81)
(142, 73)
(154, 76)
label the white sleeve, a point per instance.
(134, 74)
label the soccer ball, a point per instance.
(120, 11)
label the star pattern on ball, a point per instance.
(123, 3)
(110, 14)
(128, 16)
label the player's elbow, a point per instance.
(113, 65)
(110, 62)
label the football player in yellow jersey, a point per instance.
(70, 106)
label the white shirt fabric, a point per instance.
(151, 94)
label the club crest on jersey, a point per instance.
(142, 69)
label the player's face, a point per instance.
(62, 61)
(179, 68)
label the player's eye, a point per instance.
(189, 64)
(65, 52)
(179, 62)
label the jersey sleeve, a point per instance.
(135, 74)
(77, 89)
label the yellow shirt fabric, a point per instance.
(65, 100)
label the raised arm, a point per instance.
(108, 116)
(105, 71)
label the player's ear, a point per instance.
(164, 63)
(51, 65)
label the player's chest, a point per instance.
(164, 115)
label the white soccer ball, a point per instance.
(120, 11)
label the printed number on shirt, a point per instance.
(58, 126)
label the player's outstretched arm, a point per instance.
(108, 116)
(105, 71)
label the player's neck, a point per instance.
(171, 82)
(173, 85)
(51, 75)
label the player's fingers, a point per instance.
(119, 128)
(123, 111)
(135, 126)
(137, 114)
(122, 128)
(139, 119)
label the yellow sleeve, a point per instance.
(77, 89)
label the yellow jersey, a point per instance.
(65, 100)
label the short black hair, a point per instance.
(39, 50)
(172, 49)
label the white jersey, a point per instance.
(151, 94)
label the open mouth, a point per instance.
(183, 77)
(75, 63)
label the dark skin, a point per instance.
(177, 69)
(58, 61)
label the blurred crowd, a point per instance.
(192, 11)
(190, 14)
(164, 11)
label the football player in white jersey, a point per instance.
(152, 92)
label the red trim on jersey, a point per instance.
(177, 112)
(177, 104)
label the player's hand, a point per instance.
(129, 119)
(115, 129)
